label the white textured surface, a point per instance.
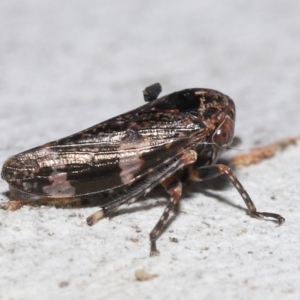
(66, 65)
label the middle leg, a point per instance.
(174, 188)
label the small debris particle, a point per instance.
(63, 284)
(173, 239)
(258, 154)
(135, 240)
(137, 229)
(142, 275)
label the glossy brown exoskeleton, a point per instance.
(178, 136)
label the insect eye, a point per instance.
(224, 134)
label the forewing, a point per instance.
(111, 155)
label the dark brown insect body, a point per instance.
(178, 136)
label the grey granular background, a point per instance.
(67, 65)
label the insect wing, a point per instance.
(113, 155)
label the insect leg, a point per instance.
(174, 187)
(144, 185)
(208, 172)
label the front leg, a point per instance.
(200, 173)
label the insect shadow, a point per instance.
(190, 189)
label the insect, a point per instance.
(167, 141)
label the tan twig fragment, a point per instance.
(257, 154)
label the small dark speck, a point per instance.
(137, 229)
(72, 215)
(173, 239)
(63, 284)
(135, 240)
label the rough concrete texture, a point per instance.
(68, 65)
